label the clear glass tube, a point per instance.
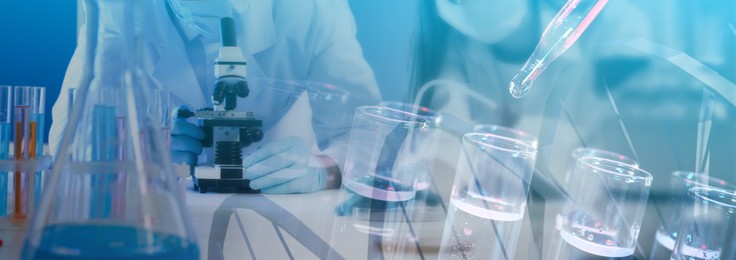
(680, 183)
(6, 103)
(38, 115)
(564, 29)
(488, 197)
(603, 216)
(384, 152)
(708, 228)
(24, 143)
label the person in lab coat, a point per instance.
(292, 41)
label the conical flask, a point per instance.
(112, 193)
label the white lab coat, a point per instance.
(297, 40)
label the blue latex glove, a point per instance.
(186, 140)
(281, 167)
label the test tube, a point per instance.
(25, 148)
(708, 228)
(105, 148)
(38, 114)
(6, 101)
(161, 108)
(564, 29)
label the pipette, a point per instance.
(560, 34)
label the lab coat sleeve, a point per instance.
(337, 61)
(107, 67)
(72, 79)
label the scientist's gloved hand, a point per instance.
(282, 167)
(186, 139)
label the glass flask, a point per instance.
(112, 193)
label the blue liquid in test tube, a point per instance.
(104, 149)
(38, 115)
(5, 129)
(6, 99)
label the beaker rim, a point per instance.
(432, 116)
(694, 179)
(581, 152)
(638, 173)
(708, 193)
(512, 133)
(481, 140)
(406, 119)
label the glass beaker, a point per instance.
(520, 136)
(95, 169)
(488, 197)
(581, 152)
(708, 228)
(680, 183)
(6, 102)
(603, 215)
(424, 178)
(384, 153)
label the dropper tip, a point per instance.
(517, 91)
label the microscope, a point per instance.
(226, 131)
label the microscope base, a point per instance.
(207, 178)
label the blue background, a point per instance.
(37, 40)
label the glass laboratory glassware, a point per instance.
(424, 178)
(161, 108)
(38, 114)
(76, 218)
(488, 197)
(520, 136)
(603, 215)
(708, 228)
(672, 210)
(581, 152)
(6, 102)
(564, 29)
(24, 144)
(384, 153)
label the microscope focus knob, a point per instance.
(257, 135)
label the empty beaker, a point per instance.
(603, 214)
(488, 197)
(384, 153)
(708, 227)
(424, 179)
(672, 209)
